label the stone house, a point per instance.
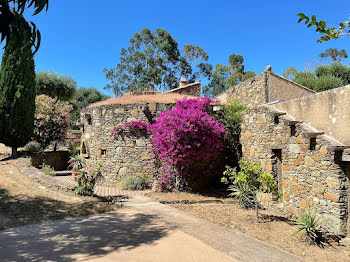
(302, 138)
(127, 153)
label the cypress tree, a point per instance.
(17, 87)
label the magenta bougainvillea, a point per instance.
(132, 126)
(51, 121)
(140, 125)
(185, 135)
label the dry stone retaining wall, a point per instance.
(311, 174)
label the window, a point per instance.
(313, 143)
(276, 120)
(276, 162)
(103, 152)
(293, 130)
(88, 119)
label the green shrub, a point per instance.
(134, 182)
(33, 148)
(73, 149)
(310, 227)
(48, 170)
(231, 117)
(248, 182)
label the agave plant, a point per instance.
(76, 162)
(244, 194)
(87, 180)
(310, 226)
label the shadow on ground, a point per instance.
(22, 209)
(65, 240)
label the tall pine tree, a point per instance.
(17, 87)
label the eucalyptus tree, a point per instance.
(226, 76)
(153, 61)
(334, 54)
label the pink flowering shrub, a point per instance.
(51, 120)
(132, 126)
(118, 130)
(136, 125)
(184, 136)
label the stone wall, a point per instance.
(251, 92)
(127, 153)
(326, 111)
(309, 168)
(263, 88)
(281, 88)
(192, 89)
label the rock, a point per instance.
(140, 142)
(294, 148)
(332, 197)
(122, 171)
(309, 161)
(323, 150)
(119, 111)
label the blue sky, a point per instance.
(81, 37)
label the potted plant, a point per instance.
(76, 163)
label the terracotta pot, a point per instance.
(75, 173)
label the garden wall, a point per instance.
(308, 168)
(56, 159)
(326, 111)
(264, 88)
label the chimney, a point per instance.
(183, 82)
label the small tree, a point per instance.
(51, 120)
(184, 136)
(17, 87)
(231, 117)
(248, 182)
(55, 86)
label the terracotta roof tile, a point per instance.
(130, 99)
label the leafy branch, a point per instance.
(343, 29)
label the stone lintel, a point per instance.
(312, 134)
(338, 148)
(292, 122)
(275, 147)
(278, 113)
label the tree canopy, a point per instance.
(82, 98)
(17, 87)
(9, 9)
(226, 76)
(153, 61)
(324, 77)
(56, 86)
(328, 33)
(334, 54)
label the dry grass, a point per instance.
(175, 197)
(23, 201)
(274, 229)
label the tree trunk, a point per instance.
(256, 208)
(14, 152)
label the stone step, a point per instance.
(312, 134)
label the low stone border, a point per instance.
(23, 164)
